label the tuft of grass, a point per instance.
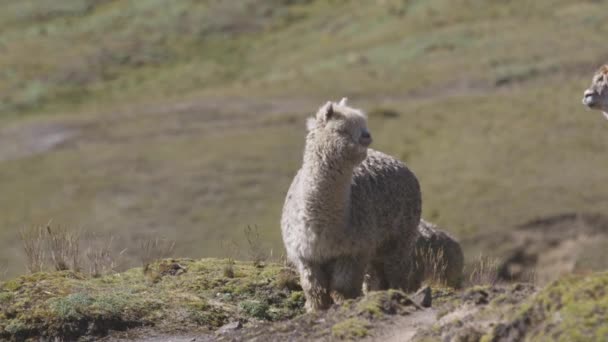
(60, 249)
(351, 328)
(101, 258)
(34, 246)
(63, 246)
(288, 278)
(483, 272)
(59, 244)
(433, 263)
(155, 249)
(229, 268)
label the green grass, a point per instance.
(188, 117)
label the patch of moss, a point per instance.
(375, 304)
(350, 328)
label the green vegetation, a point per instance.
(185, 120)
(350, 328)
(574, 308)
(68, 305)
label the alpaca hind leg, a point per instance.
(376, 279)
(398, 270)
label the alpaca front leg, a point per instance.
(315, 283)
(347, 278)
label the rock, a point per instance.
(477, 296)
(423, 297)
(232, 326)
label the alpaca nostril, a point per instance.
(366, 138)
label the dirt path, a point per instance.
(24, 139)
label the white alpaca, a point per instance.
(349, 210)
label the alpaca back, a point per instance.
(385, 199)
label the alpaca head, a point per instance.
(340, 133)
(596, 96)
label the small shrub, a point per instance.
(256, 308)
(256, 251)
(64, 248)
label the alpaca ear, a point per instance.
(326, 112)
(343, 101)
(329, 111)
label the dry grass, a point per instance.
(255, 250)
(433, 264)
(288, 278)
(59, 248)
(101, 259)
(34, 245)
(63, 246)
(155, 249)
(484, 271)
(233, 249)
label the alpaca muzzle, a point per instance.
(366, 138)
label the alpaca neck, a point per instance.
(327, 187)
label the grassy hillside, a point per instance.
(182, 299)
(185, 119)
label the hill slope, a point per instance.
(185, 119)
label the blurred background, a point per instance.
(185, 119)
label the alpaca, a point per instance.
(349, 210)
(596, 96)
